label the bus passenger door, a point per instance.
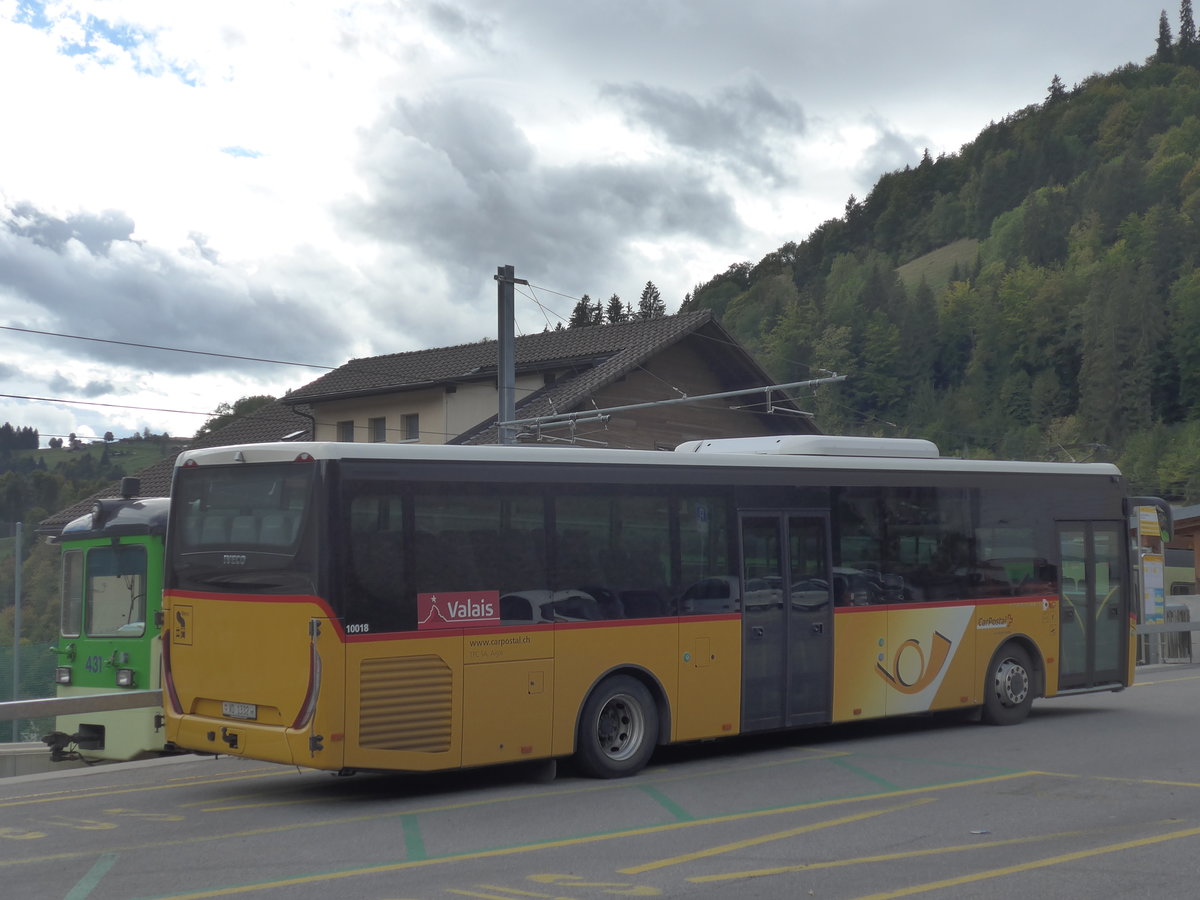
(787, 620)
(1093, 604)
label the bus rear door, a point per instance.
(787, 619)
(1093, 606)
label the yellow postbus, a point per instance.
(405, 607)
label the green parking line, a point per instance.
(680, 814)
(414, 844)
(84, 887)
(870, 776)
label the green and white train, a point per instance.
(111, 635)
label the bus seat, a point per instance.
(514, 608)
(642, 604)
(576, 559)
(607, 602)
(279, 529)
(378, 564)
(214, 530)
(244, 530)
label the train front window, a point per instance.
(115, 599)
(72, 593)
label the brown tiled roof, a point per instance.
(468, 362)
(598, 356)
(270, 422)
(569, 394)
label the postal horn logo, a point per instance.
(911, 672)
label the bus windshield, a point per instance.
(242, 529)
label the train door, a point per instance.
(1094, 604)
(787, 619)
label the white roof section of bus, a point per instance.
(818, 445)
(288, 452)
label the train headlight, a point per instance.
(124, 677)
(62, 675)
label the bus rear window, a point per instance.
(244, 508)
(243, 529)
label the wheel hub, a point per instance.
(1012, 683)
(619, 729)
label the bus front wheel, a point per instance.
(618, 728)
(1008, 693)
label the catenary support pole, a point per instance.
(16, 688)
(506, 368)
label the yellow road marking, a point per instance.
(884, 857)
(515, 891)
(1127, 780)
(1035, 864)
(767, 838)
(810, 756)
(350, 820)
(112, 792)
(553, 845)
(615, 888)
(1165, 681)
(275, 771)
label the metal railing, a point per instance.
(85, 703)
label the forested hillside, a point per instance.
(1035, 295)
(35, 483)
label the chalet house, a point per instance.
(449, 395)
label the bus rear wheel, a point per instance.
(1008, 693)
(618, 728)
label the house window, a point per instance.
(345, 431)
(377, 429)
(410, 427)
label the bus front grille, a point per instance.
(405, 704)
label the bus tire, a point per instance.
(1008, 691)
(618, 728)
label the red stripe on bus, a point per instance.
(947, 604)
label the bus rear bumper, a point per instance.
(251, 740)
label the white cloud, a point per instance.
(320, 181)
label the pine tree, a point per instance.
(615, 312)
(581, 315)
(1187, 35)
(651, 305)
(1057, 92)
(1163, 51)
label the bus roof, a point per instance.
(688, 455)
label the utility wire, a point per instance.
(185, 412)
(77, 337)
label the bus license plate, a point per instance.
(239, 710)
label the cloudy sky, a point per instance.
(313, 182)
